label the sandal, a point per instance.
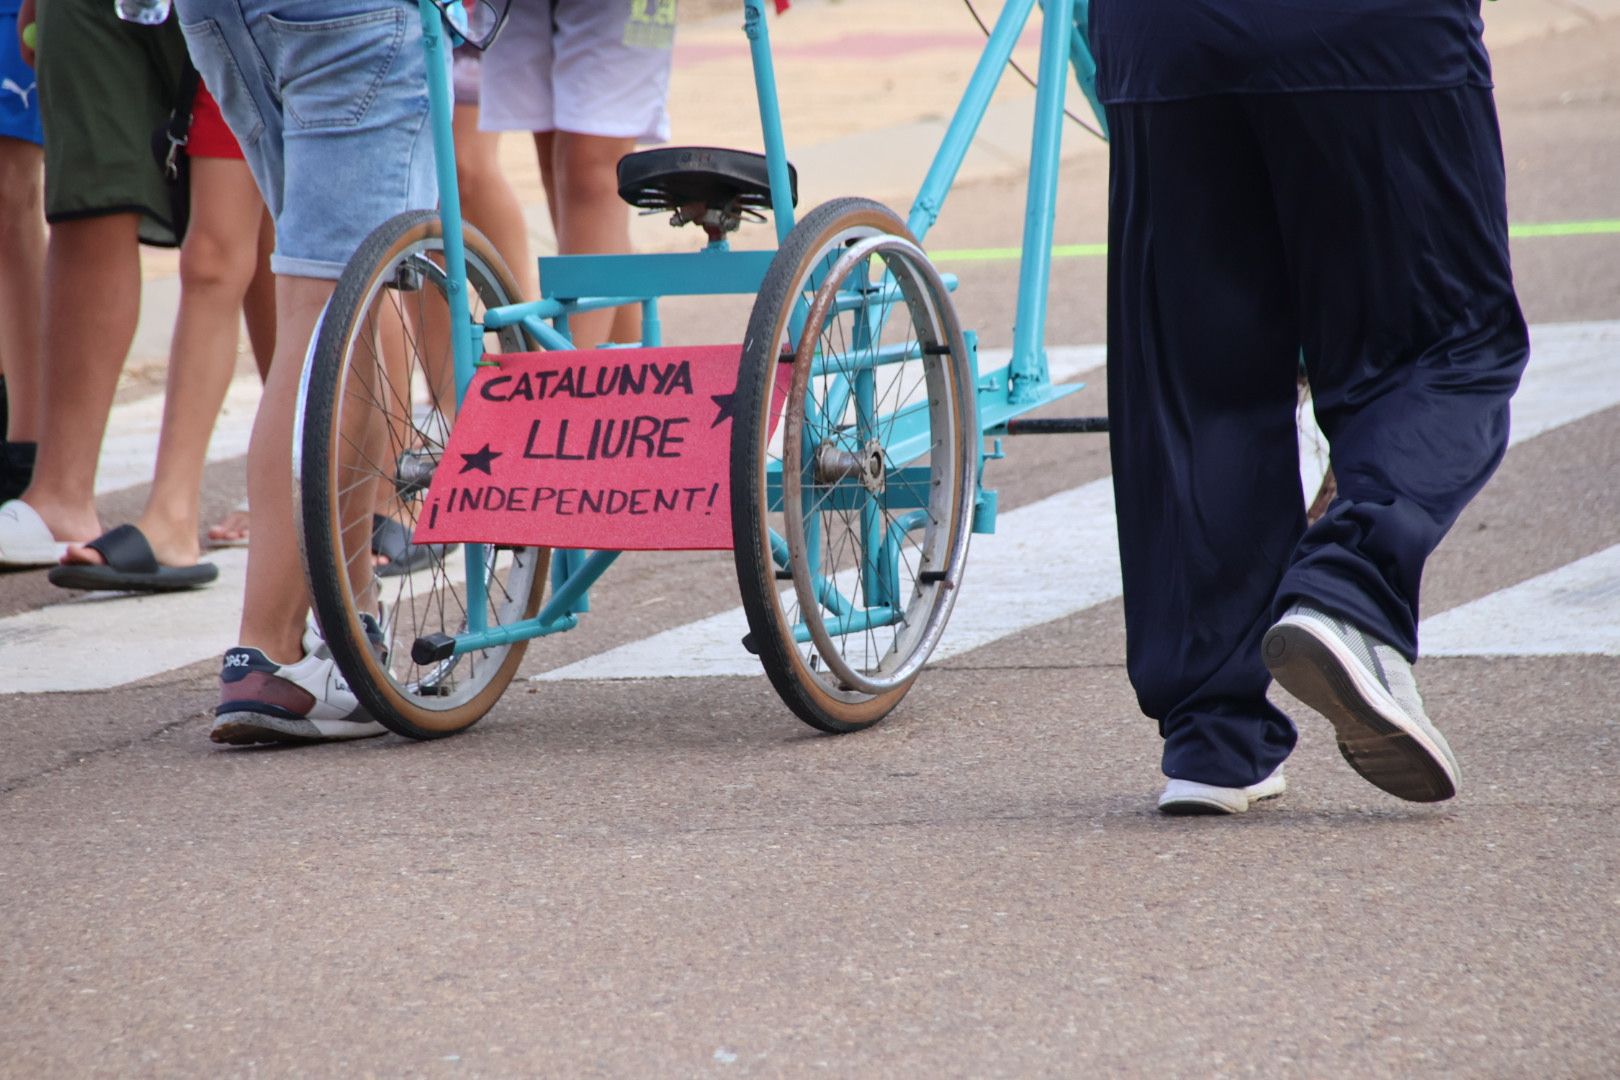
(130, 567)
(391, 540)
(25, 539)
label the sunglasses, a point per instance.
(475, 22)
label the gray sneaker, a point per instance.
(1366, 689)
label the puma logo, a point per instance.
(11, 86)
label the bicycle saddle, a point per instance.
(706, 184)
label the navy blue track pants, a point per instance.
(1366, 231)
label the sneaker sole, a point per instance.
(1375, 735)
(1214, 803)
(250, 728)
(1193, 806)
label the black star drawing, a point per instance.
(480, 460)
(724, 401)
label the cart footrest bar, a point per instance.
(1057, 425)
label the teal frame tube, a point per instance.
(1029, 371)
(969, 113)
(455, 255)
(770, 115)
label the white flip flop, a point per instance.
(25, 539)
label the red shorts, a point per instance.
(210, 136)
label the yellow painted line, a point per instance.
(1567, 228)
(1602, 227)
(1010, 254)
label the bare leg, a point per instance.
(488, 201)
(92, 303)
(22, 238)
(259, 309)
(545, 149)
(273, 613)
(259, 306)
(590, 219)
(216, 264)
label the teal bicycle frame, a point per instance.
(576, 283)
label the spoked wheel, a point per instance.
(851, 515)
(376, 409)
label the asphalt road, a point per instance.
(673, 877)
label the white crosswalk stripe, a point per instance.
(130, 448)
(1572, 610)
(1046, 561)
(1070, 537)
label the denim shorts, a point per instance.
(328, 99)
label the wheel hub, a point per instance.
(834, 464)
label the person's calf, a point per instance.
(68, 520)
(84, 348)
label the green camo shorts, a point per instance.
(104, 87)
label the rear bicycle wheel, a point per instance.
(376, 409)
(862, 496)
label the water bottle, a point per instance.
(145, 12)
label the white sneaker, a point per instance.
(314, 641)
(308, 701)
(1187, 797)
(1366, 689)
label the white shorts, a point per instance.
(593, 67)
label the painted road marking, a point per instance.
(43, 651)
(136, 636)
(1573, 610)
(129, 451)
(1574, 373)
(1070, 536)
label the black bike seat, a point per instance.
(671, 177)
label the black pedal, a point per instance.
(433, 649)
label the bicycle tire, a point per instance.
(358, 389)
(820, 680)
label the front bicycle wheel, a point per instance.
(376, 409)
(861, 497)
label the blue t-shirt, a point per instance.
(1165, 50)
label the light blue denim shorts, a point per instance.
(329, 101)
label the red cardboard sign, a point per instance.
(610, 449)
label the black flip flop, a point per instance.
(130, 567)
(392, 540)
